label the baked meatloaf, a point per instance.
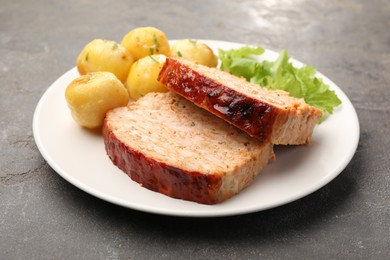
(270, 115)
(169, 145)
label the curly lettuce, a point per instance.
(280, 74)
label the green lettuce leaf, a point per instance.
(280, 74)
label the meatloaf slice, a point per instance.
(270, 115)
(169, 145)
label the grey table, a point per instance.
(42, 216)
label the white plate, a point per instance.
(79, 156)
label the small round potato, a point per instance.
(145, 41)
(143, 75)
(195, 51)
(104, 55)
(90, 96)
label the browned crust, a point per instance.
(257, 118)
(160, 177)
(175, 181)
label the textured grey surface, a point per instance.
(44, 217)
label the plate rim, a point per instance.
(201, 213)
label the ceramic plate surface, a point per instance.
(79, 157)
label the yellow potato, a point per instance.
(145, 41)
(104, 55)
(195, 51)
(143, 75)
(90, 96)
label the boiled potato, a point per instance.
(145, 41)
(195, 51)
(90, 96)
(143, 75)
(104, 55)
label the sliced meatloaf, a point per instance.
(169, 145)
(270, 115)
